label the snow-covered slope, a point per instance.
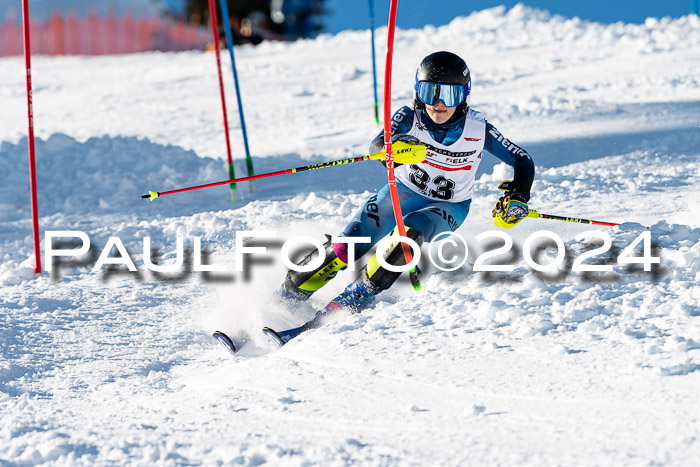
(114, 367)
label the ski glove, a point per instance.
(510, 209)
(409, 139)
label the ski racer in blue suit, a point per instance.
(434, 195)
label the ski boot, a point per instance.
(357, 296)
(299, 286)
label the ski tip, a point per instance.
(226, 341)
(274, 337)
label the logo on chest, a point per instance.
(448, 160)
(434, 152)
(457, 160)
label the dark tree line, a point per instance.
(292, 18)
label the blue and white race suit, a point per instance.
(435, 195)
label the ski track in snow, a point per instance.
(530, 368)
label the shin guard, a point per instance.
(300, 285)
(380, 278)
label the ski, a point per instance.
(226, 341)
(356, 297)
(229, 343)
(282, 337)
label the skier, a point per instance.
(435, 195)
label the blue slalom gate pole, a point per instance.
(229, 41)
(374, 61)
(694, 6)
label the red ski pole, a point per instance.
(405, 154)
(539, 215)
(30, 138)
(215, 30)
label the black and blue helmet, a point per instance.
(443, 76)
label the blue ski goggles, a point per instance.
(451, 95)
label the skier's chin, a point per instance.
(439, 114)
(439, 117)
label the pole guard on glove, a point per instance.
(510, 208)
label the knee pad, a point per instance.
(381, 278)
(300, 285)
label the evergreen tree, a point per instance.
(299, 18)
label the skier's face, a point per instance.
(439, 113)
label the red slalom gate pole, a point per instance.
(396, 204)
(215, 31)
(30, 138)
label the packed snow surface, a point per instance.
(522, 367)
